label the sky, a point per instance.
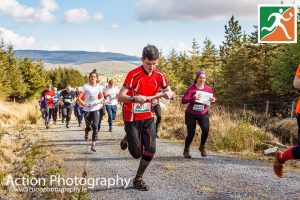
(121, 26)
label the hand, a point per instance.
(169, 94)
(197, 97)
(140, 99)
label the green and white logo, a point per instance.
(277, 23)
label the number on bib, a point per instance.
(198, 107)
(141, 108)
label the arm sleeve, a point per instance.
(164, 82)
(298, 71)
(187, 97)
(128, 81)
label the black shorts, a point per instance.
(141, 138)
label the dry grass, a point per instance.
(13, 118)
(229, 131)
(285, 129)
(14, 115)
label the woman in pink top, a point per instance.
(196, 112)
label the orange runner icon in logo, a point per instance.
(277, 24)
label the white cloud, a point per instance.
(148, 10)
(22, 13)
(114, 26)
(80, 15)
(98, 16)
(19, 42)
(77, 15)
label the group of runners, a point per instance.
(140, 94)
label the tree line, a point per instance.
(23, 79)
(240, 70)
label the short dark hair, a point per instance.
(150, 52)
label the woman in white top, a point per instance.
(91, 106)
(110, 94)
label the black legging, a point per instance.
(92, 121)
(141, 138)
(190, 121)
(55, 111)
(157, 111)
(296, 152)
(67, 112)
(101, 111)
(298, 122)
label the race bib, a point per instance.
(112, 97)
(198, 107)
(48, 97)
(67, 100)
(141, 108)
(93, 98)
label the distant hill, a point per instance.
(106, 68)
(74, 57)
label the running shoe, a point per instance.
(278, 166)
(202, 150)
(93, 149)
(186, 153)
(139, 184)
(123, 144)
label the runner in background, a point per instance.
(102, 108)
(60, 109)
(110, 94)
(297, 86)
(47, 105)
(91, 106)
(292, 152)
(56, 104)
(78, 108)
(68, 98)
(196, 112)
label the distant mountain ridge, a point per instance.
(75, 57)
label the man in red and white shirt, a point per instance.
(47, 105)
(139, 89)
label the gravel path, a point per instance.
(169, 176)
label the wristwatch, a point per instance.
(131, 99)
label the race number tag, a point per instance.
(141, 108)
(112, 97)
(198, 107)
(93, 98)
(67, 100)
(48, 97)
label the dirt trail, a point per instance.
(169, 176)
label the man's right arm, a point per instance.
(123, 97)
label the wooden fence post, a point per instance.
(292, 110)
(245, 107)
(267, 108)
